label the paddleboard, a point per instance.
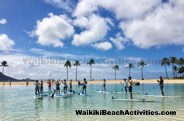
(38, 96)
(132, 100)
(44, 94)
(126, 92)
(49, 92)
(63, 95)
(100, 91)
(163, 96)
(83, 94)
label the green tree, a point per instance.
(115, 67)
(67, 65)
(181, 71)
(130, 66)
(175, 69)
(76, 64)
(165, 62)
(91, 62)
(180, 62)
(4, 64)
(142, 64)
(173, 61)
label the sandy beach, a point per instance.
(147, 81)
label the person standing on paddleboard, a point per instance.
(125, 85)
(161, 83)
(49, 85)
(65, 86)
(84, 86)
(70, 85)
(37, 92)
(104, 85)
(41, 87)
(130, 83)
(58, 87)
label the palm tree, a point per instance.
(91, 62)
(76, 64)
(165, 62)
(115, 67)
(173, 61)
(142, 64)
(130, 66)
(180, 62)
(3, 64)
(67, 64)
(175, 69)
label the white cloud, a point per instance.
(64, 4)
(53, 29)
(6, 43)
(164, 26)
(95, 27)
(121, 8)
(102, 46)
(45, 53)
(3, 21)
(119, 41)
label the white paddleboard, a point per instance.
(132, 100)
(45, 94)
(100, 91)
(125, 92)
(83, 94)
(38, 96)
(162, 96)
(64, 95)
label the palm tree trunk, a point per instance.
(173, 70)
(90, 72)
(166, 71)
(76, 73)
(115, 74)
(175, 73)
(67, 73)
(142, 73)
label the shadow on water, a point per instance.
(58, 104)
(38, 107)
(162, 107)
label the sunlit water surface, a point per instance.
(17, 103)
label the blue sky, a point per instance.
(90, 29)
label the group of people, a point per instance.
(57, 90)
(128, 83)
(38, 87)
(127, 86)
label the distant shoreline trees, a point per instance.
(177, 66)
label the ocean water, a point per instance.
(17, 103)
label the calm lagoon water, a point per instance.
(17, 103)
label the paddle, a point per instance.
(80, 91)
(71, 90)
(53, 93)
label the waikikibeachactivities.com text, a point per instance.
(123, 112)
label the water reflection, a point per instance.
(163, 104)
(38, 107)
(64, 109)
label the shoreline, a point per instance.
(146, 81)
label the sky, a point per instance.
(38, 36)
